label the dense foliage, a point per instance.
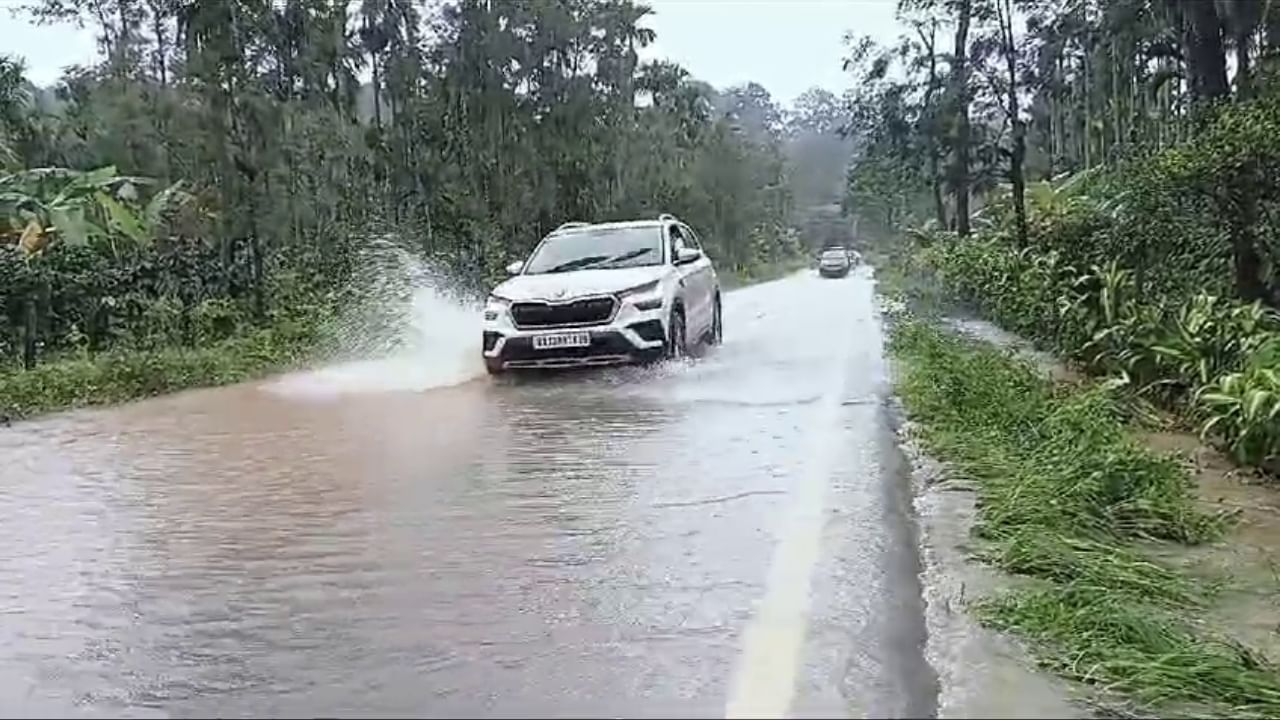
(1151, 272)
(234, 161)
(1127, 214)
(986, 93)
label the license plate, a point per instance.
(561, 340)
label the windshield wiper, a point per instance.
(627, 256)
(594, 261)
(576, 263)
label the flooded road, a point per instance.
(731, 535)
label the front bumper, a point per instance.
(838, 271)
(632, 336)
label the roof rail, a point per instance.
(568, 225)
(667, 217)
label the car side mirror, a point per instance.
(685, 255)
(515, 267)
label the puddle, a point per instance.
(981, 673)
(1049, 366)
(1248, 611)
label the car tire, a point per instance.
(676, 341)
(493, 366)
(716, 335)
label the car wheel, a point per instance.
(675, 338)
(493, 366)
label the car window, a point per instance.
(690, 238)
(676, 241)
(596, 248)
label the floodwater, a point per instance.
(729, 535)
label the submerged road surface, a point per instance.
(727, 536)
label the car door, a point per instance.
(702, 278)
(688, 282)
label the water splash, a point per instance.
(406, 328)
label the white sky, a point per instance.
(785, 45)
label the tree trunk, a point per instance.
(99, 326)
(1086, 137)
(1244, 64)
(1204, 50)
(1017, 177)
(30, 329)
(931, 131)
(377, 94)
(255, 247)
(960, 91)
(1057, 138)
(1019, 155)
(1241, 212)
(1271, 29)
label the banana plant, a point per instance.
(1243, 410)
(1210, 336)
(43, 204)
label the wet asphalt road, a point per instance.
(731, 535)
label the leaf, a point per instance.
(1254, 402)
(1219, 399)
(96, 178)
(1208, 427)
(165, 202)
(71, 225)
(122, 218)
(33, 238)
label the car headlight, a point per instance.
(494, 307)
(643, 297)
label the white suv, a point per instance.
(603, 294)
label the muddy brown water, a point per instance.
(628, 542)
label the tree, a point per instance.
(960, 99)
(484, 125)
(1017, 155)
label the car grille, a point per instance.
(587, 311)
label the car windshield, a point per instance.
(596, 249)
(834, 255)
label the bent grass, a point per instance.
(1065, 498)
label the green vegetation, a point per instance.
(117, 376)
(1211, 357)
(1064, 497)
(1101, 180)
(222, 168)
(1125, 217)
(1130, 278)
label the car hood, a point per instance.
(560, 286)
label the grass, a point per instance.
(1065, 495)
(125, 375)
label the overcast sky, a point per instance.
(785, 45)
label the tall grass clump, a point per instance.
(1064, 496)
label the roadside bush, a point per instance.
(1187, 353)
(119, 376)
